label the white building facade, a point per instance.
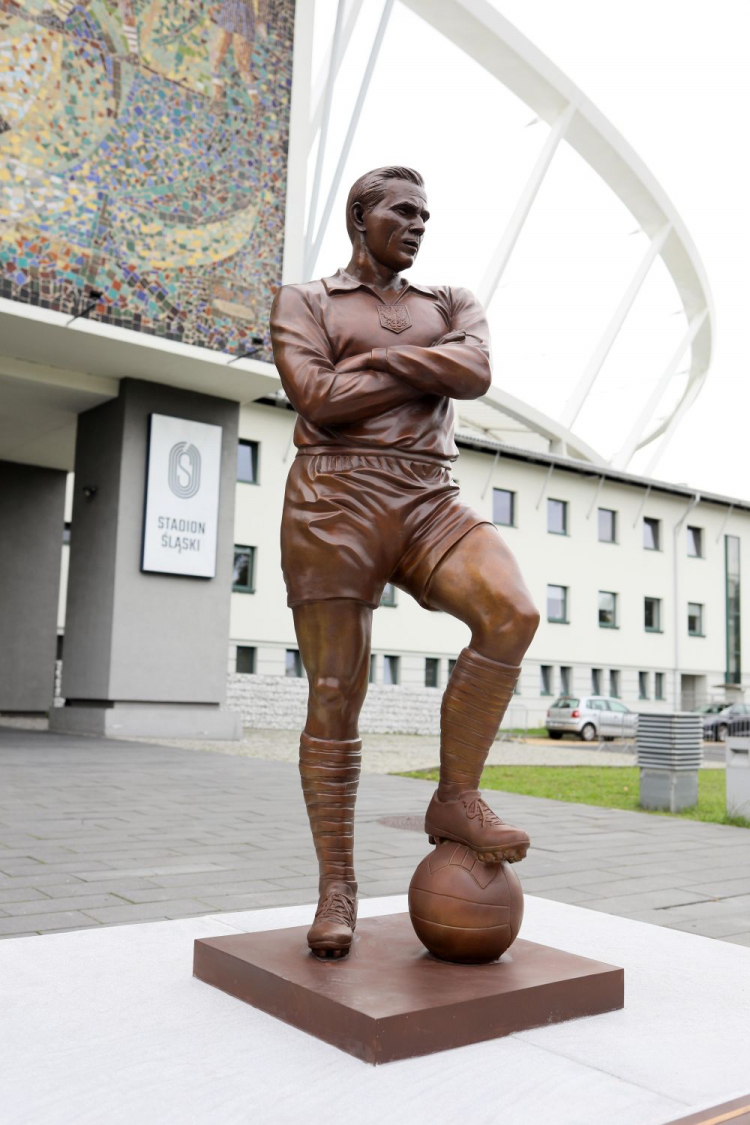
(637, 583)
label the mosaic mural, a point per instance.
(143, 162)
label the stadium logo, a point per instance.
(184, 470)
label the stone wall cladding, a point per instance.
(280, 703)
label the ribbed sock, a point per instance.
(330, 775)
(475, 700)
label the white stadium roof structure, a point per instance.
(483, 34)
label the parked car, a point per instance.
(715, 725)
(595, 716)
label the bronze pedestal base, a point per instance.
(390, 999)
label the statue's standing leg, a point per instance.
(334, 640)
(479, 582)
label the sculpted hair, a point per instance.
(370, 189)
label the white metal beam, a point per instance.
(595, 498)
(502, 254)
(317, 238)
(603, 348)
(325, 122)
(674, 422)
(545, 486)
(317, 95)
(299, 144)
(493, 466)
(625, 455)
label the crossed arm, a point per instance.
(456, 365)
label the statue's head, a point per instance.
(386, 212)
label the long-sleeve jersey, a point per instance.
(400, 399)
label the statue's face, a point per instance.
(394, 228)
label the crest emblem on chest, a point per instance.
(394, 317)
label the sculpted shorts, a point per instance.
(353, 522)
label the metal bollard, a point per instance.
(670, 752)
(738, 768)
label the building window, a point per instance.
(659, 685)
(643, 685)
(614, 683)
(245, 660)
(388, 597)
(695, 542)
(546, 680)
(247, 462)
(431, 672)
(652, 615)
(557, 604)
(293, 663)
(732, 589)
(651, 534)
(607, 525)
(596, 681)
(695, 619)
(373, 668)
(60, 644)
(557, 517)
(66, 534)
(607, 609)
(390, 669)
(566, 680)
(243, 573)
(503, 507)
(451, 666)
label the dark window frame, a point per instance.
(698, 538)
(254, 447)
(512, 500)
(249, 588)
(606, 624)
(388, 597)
(392, 666)
(652, 628)
(565, 527)
(253, 660)
(432, 665)
(701, 631)
(655, 524)
(613, 513)
(565, 619)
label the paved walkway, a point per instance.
(96, 832)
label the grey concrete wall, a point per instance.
(131, 636)
(32, 513)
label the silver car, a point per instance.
(595, 716)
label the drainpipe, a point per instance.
(676, 596)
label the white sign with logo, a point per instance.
(181, 519)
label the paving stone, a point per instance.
(53, 906)
(20, 894)
(142, 911)
(44, 923)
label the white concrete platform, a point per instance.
(109, 1026)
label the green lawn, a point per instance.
(609, 787)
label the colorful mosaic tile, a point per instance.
(143, 162)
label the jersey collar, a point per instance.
(343, 282)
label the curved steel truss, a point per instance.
(487, 37)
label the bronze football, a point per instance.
(462, 909)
